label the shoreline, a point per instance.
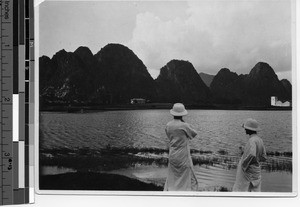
(125, 169)
(154, 106)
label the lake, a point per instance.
(217, 130)
(145, 128)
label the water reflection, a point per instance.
(55, 170)
(210, 178)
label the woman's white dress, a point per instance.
(181, 176)
(248, 176)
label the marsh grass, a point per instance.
(112, 158)
(278, 165)
(282, 154)
(216, 189)
(222, 152)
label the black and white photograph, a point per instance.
(166, 96)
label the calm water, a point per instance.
(145, 128)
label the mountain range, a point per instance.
(115, 75)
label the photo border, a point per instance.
(294, 193)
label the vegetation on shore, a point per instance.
(111, 158)
(79, 108)
(92, 167)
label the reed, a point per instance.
(112, 158)
(222, 152)
(278, 165)
(216, 189)
(277, 154)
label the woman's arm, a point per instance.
(191, 133)
(249, 156)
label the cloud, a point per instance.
(216, 34)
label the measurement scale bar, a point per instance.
(15, 117)
(17, 102)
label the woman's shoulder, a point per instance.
(176, 123)
(255, 138)
(170, 122)
(182, 125)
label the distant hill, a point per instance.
(253, 89)
(124, 75)
(288, 87)
(114, 75)
(228, 88)
(67, 77)
(178, 81)
(207, 78)
(262, 82)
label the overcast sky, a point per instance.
(210, 34)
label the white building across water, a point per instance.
(138, 101)
(276, 102)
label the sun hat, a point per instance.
(178, 110)
(251, 124)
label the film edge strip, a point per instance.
(6, 102)
(17, 102)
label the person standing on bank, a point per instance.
(181, 175)
(248, 176)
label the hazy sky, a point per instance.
(210, 34)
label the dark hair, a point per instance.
(179, 118)
(250, 132)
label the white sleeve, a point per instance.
(191, 133)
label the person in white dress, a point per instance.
(181, 175)
(248, 176)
